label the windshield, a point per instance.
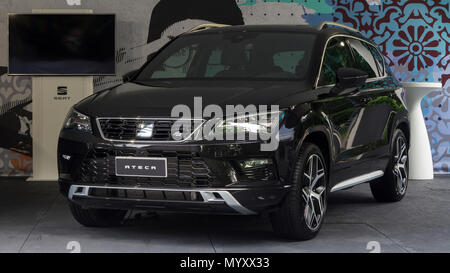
(233, 55)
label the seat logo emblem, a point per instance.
(144, 130)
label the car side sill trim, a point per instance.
(209, 195)
(357, 180)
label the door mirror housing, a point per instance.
(348, 77)
(130, 75)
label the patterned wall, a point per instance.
(413, 35)
(15, 125)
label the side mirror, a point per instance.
(130, 75)
(348, 77)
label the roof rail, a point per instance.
(326, 24)
(206, 26)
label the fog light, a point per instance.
(66, 157)
(252, 163)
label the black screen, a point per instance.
(61, 44)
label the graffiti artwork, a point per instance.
(15, 125)
(169, 12)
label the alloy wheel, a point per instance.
(313, 192)
(400, 168)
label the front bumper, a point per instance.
(201, 200)
(202, 178)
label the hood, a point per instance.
(135, 100)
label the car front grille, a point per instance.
(184, 169)
(126, 129)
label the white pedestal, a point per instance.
(49, 112)
(420, 159)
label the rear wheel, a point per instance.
(301, 214)
(97, 217)
(392, 186)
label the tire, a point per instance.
(97, 217)
(294, 219)
(392, 186)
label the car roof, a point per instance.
(324, 34)
(262, 28)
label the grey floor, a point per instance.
(35, 218)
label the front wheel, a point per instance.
(392, 186)
(301, 214)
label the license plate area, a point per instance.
(141, 166)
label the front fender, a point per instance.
(311, 125)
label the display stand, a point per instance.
(420, 159)
(53, 96)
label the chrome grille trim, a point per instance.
(137, 141)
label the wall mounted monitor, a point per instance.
(61, 44)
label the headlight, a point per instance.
(76, 120)
(261, 126)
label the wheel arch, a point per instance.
(320, 136)
(404, 127)
(400, 122)
(320, 139)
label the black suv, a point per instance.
(341, 121)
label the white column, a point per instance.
(420, 159)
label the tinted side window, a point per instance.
(378, 58)
(337, 55)
(364, 59)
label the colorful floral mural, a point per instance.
(414, 37)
